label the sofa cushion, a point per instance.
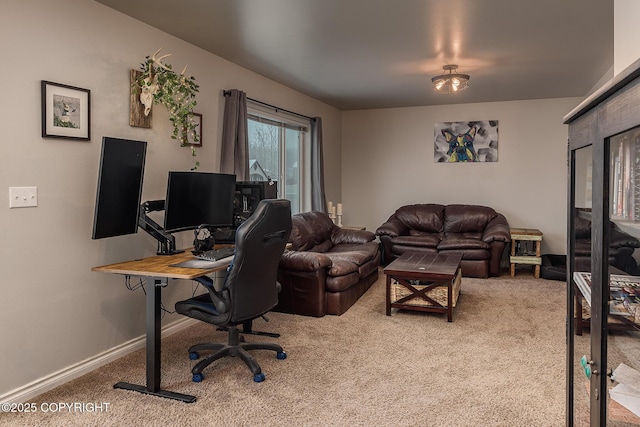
(356, 257)
(422, 240)
(348, 236)
(469, 254)
(424, 217)
(358, 253)
(322, 247)
(467, 218)
(341, 283)
(310, 229)
(620, 239)
(462, 241)
(304, 261)
(342, 267)
(369, 267)
(398, 250)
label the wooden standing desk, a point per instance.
(158, 268)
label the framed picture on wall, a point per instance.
(197, 118)
(65, 111)
(464, 142)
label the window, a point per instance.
(276, 152)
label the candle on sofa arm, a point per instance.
(339, 210)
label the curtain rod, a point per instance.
(227, 93)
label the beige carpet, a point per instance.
(500, 363)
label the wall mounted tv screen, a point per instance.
(119, 187)
(196, 198)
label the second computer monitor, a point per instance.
(195, 198)
(119, 190)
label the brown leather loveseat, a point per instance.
(622, 245)
(327, 268)
(477, 232)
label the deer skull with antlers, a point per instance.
(150, 83)
(159, 84)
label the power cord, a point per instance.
(135, 287)
(141, 285)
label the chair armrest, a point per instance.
(342, 235)
(221, 300)
(393, 228)
(304, 261)
(497, 230)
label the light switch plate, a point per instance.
(23, 197)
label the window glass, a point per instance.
(276, 153)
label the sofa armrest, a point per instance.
(304, 261)
(620, 239)
(342, 235)
(392, 228)
(497, 230)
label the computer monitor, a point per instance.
(196, 198)
(119, 187)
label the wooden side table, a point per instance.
(526, 234)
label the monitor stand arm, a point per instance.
(166, 241)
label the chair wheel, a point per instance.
(258, 377)
(197, 378)
(193, 355)
(281, 355)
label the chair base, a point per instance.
(234, 348)
(247, 328)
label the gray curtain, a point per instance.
(318, 199)
(235, 143)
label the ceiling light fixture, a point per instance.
(452, 82)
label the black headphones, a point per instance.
(203, 239)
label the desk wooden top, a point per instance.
(161, 266)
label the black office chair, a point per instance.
(250, 289)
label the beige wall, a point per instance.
(626, 37)
(393, 149)
(55, 312)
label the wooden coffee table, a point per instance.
(425, 282)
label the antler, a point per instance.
(158, 61)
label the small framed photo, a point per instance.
(65, 111)
(197, 118)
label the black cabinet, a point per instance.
(604, 185)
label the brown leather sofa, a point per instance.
(479, 233)
(327, 268)
(622, 245)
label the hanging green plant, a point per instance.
(159, 84)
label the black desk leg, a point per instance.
(153, 321)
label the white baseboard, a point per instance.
(41, 385)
